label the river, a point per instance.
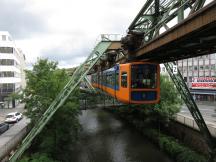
(106, 139)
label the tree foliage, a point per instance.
(170, 102)
(44, 83)
(37, 158)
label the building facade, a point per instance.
(200, 75)
(12, 65)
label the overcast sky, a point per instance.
(64, 30)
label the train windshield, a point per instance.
(143, 76)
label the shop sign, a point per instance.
(204, 83)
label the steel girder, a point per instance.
(78, 76)
(157, 16)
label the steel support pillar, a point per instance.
(89, 85)
(192, 106)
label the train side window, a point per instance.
(124, 79)
(117, 79)
(113, 79)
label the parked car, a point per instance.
(3, 127)
(13, 117)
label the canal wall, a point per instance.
(186, 130)
(11, 139)
(190, 122)
(190, 137)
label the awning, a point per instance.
(211, 92)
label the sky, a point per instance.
(64, 30)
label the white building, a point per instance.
(12, 64)
(200, 75)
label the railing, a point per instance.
(108, 37)
(189, 121)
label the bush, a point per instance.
(190, 156)
(178, 151)
(38, 158)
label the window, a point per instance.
(6, 74)
(4, 37)
(7, 87)
(7, 62)
(117, 79)
(6, 50)
(124, 79)
(103, 79)
(213, 56)
(201, 67)
(195, 68)
(113, 79)
(143, 76)
(109, 79)
(190, 79)
(213, 67)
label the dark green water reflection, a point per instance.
(106, 139)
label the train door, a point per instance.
(124, 83)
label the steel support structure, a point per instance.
(89, 85)
(157, 16)
(78, 76)
(192, 106)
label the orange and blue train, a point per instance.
(132, 83)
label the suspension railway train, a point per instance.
(136, 82)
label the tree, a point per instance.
(170, 102)
(44, 83)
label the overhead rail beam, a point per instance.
(193, 36)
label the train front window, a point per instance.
(143, 76)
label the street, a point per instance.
(207, 110)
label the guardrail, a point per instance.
(189, 121)
(10, 140)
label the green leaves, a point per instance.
(44, 83)
(170, 100)
(38, 158)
